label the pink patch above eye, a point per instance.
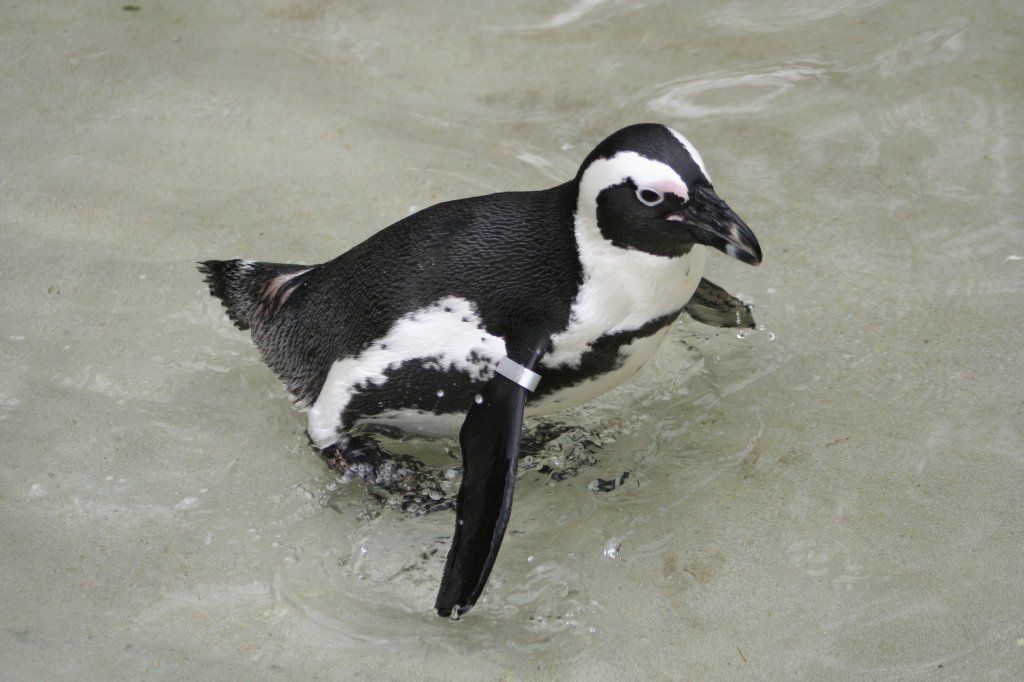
(671, 187)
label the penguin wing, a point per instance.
(714, 306)
(490, 457)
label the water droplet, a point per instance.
(771, 336)
(741, 335)
(478, 399)
(612, 547)
(440, 393)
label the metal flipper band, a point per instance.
(510, 369)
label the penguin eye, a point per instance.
(649, 196)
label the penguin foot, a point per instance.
(363, 459)
(406, 482)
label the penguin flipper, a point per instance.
(490, 458)
(714, 306)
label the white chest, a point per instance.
(623, 290)
(632, 358)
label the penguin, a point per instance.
(464, 317)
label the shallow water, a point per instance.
(836, 496)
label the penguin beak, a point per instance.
(715, 224)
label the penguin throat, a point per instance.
(622, 290)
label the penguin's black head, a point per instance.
(646, 188)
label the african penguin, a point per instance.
(466, 316)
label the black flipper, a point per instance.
(713, 305)
(490, 456)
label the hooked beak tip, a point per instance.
(740, 242)
(751, 257)
(723, 229)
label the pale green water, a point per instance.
(837, 497)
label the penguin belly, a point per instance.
(423, 377)
(631, 358)
(617, 323)
(427, 401)
(420, 378)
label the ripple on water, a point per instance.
(382, 601)
(745, 92)
(828, 562)
(369, 574)
(578, 12)
(785, 15)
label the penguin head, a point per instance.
(645, 188)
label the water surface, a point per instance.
(834, 496)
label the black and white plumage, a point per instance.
(578, 283)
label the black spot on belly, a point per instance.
(417, 384)
(602, 357)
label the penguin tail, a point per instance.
(250, 291)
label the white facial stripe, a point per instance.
(694, 154)
(444, 335)
(645, 172)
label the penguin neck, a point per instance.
(621, 289)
